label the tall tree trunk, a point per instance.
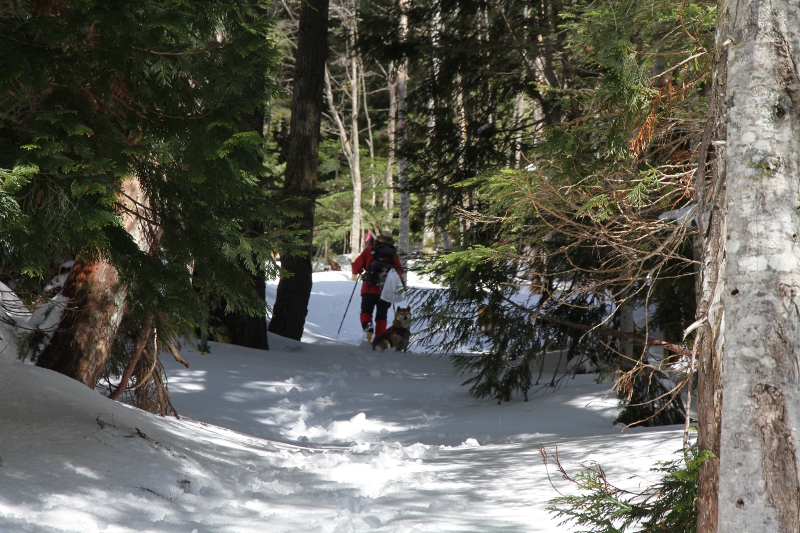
(291, 302)
(370, 141)
(81, 345)
(402, 159)
(391, 128)
(758, 483)
(355, 151)
(709, 340)
(461, 113)
(436, 209)
(351, 144)
(519, 116)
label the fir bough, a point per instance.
(495, 328)
(669, 506)
(170, 93)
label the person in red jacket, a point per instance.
(375, 262)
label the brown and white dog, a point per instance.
(398, 335)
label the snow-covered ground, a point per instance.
(312, 436)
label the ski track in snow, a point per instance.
(313, 436)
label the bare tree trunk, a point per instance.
(428, 230)
(370, 142)
(436, 215)
(81, 346)
(352, 153)
(709, 344)
(709, 340)
(351, 145)
(291, 302)
(355, 151)
(758, 484)
(461, 112)
(519, 115)
(402, 160)
(391, 128)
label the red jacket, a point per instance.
(362, 263)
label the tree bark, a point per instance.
(758, 483)
(350, 147)
(81, 345)
(388, 201)
(709, 340)
(709, 344)
(402, 159)
(370, 139)
(355, 166)
(294, 290)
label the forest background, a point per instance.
(553, 151)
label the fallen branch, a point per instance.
(650, 341)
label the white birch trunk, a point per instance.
(350, 147)
(370, 142)
(761, 410)
(355, 163)
(461, 112)
(402, 161)
(519, 114)
(388, 200)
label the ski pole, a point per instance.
(348, 306)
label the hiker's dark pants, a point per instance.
(369, 302)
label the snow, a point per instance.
(321, 436)
(17, 321)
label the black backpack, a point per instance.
(383, 255)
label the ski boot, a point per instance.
(369, 330)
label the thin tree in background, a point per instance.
(391, 133)
(350, 141)
(401, 91)
(294, 289)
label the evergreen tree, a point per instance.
(164, 94)
(603, 104)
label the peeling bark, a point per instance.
(81, 346)
(709, 341)
(402, 160)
